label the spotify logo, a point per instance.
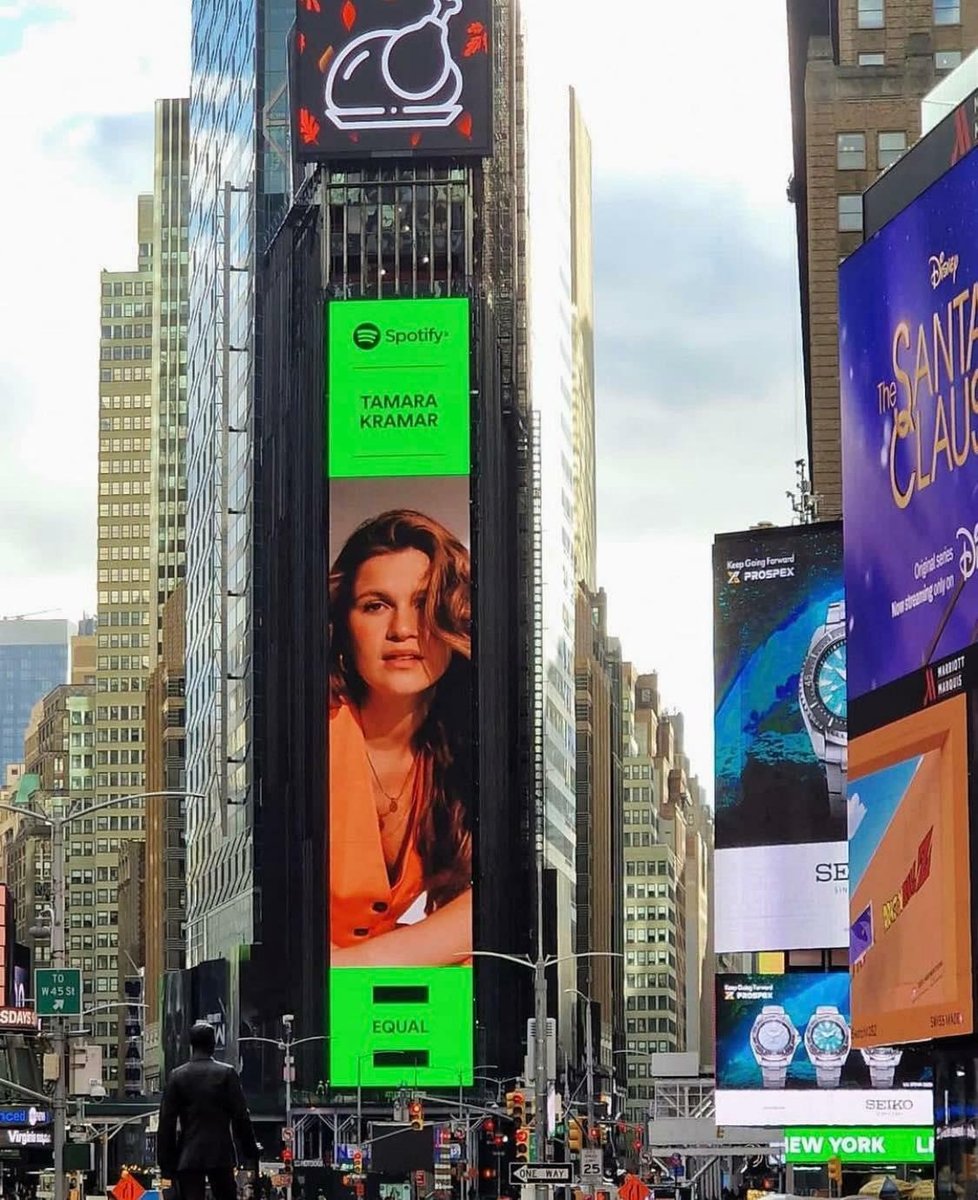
(366, 336)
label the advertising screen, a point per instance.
(401, 803)
(908, 311)
(909, 905)
(784, 1054)
(867, 1145)
(392, 77)
(780, 739)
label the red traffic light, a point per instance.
(489, 1125)
(286, 1155)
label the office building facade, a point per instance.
(240, 185)
(142, 502)
(667, 882)
(858, 70)
(600, 892)
(165, 865)
(33, 659)
(561, 354)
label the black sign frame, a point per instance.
(392, 78)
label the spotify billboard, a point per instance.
(401, 785)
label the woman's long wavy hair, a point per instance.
(443, 743)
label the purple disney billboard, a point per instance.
(908, 350)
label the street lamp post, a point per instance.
(539, 967)
(589, 1063)
(58, 825)
(287, 1044)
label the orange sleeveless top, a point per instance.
(363, 902)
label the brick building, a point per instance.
(858, 71)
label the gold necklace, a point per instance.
(391, 800)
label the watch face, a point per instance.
(773, 1036)
(828, 1037)
(830, 680)
(883, 1056)
(823, 684)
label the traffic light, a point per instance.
(835, 1170)
(416, 1114)
(522, 1140)
(518, 1109)
(287, 1155)
(575, 1135)
(509, 1103)
(358, 1161)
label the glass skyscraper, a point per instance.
(33, 660)
(239, 192)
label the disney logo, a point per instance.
(968, 562)
(942, 266)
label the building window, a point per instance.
(947, 12)
(872, 58)
(851, 213)
(871, 14)
(889, 147)
(851, 151)
(947, 60)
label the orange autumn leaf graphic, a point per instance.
(415, 139)
(478, 40)
(312, 6)
(327, 58)
(308, 127)
(348, 14)
(464, 125)
(301, 43)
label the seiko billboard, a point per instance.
(785, 1053)
(781, 739)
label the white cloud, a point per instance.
(857, 811)
(694, 91)
(75, 81)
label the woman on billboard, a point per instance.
(400, 782)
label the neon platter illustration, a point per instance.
(384, 59)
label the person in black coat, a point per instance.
(204, 1098)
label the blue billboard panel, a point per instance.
(908, 328)
(780, 739)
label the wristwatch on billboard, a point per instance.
(822, 697)
(828, 1042)
(882, 1062)
(773, 1042)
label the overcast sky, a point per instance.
(700, 399)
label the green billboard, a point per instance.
(872, 1145)
(401, 789)
(398, 388)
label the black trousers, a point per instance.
(191, 1184)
